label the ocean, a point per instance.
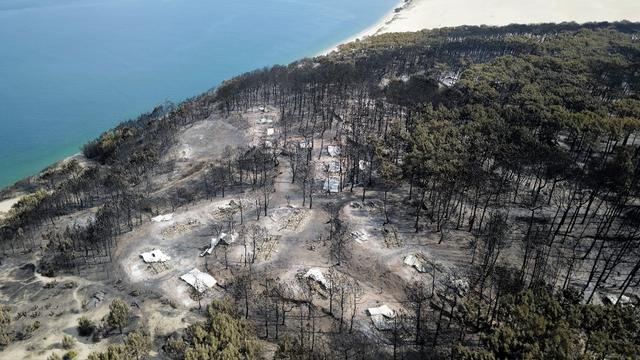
(70, 69)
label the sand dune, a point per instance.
(431, 14)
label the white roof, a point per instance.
(333, 150)
(383, 310)
(161, 218)
(154, 256)
(317, 275)
(199, 280)
(331, 185)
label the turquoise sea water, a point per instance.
(70, 69)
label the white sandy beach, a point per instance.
(432, 14)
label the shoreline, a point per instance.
(373, 29)
(416, 15)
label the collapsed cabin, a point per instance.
(316, 275)
(360, 236)
(418, 261)
(222, 239)
(333, 150)
(199, 280)
(382, 317)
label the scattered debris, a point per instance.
(382, 317)
(232, 205)
(199, 280)
(612, 299)
(316, 275)
(154, 256)
(180, 228)
(265, 121)
(363, 165)
(449, 79)
(391, 236)
(261, 108)
(360, 236)
(25, 271)
(162, 218)
(331, 185)
(305, 144)
(333, 150)
(418, 261)
(95, 299)
(223, 238)
(333, 167)
(459, 286)
(288, 217)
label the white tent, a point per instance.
(154, 256)
(270, 131)
(199, 280)
(317, 275)
(162, 218)
(333, 150)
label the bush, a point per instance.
(68, 342)
(54, 356)
(118, 314)
(70, 355)
(85, 326)
(97, 335)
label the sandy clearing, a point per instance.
(432, 14)
(5, 205)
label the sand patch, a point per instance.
(5, 205)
